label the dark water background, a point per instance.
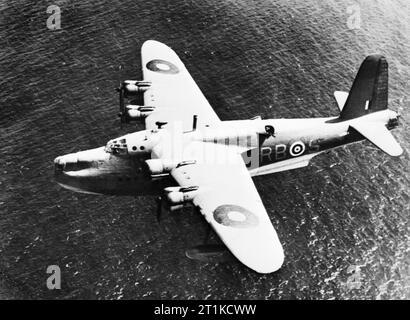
(345, 215)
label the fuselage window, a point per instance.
(83, 165)
(70, 166)
(76, 166)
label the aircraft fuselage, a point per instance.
(293, 143)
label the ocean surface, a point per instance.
(343, 221)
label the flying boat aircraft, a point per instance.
(187, 155)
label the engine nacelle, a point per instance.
(133, 87)
(158, 167)
(135, 112)
(180, 195)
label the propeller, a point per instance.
(122, 114)
(163, 204)
(121, 93)
(159, 203)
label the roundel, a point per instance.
(231, 215)
(297, 148)
(162, 66)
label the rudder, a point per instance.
(369, 92)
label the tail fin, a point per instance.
(369, 92)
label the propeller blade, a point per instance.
(120, 91)
(159, 208)
(207, 234)
(121, 114)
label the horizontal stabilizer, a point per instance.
(380, 136)
(341, 98)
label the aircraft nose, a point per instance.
(59, 175)
(79, 165)
(61, 163)
(62, 167)
(58, 165)
(76, 171)
(69, 171)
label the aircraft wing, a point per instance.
(173, 92)
(228, 199)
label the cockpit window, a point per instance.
(70, 166)
(83, 165)
(117, 147)
(76, 166)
